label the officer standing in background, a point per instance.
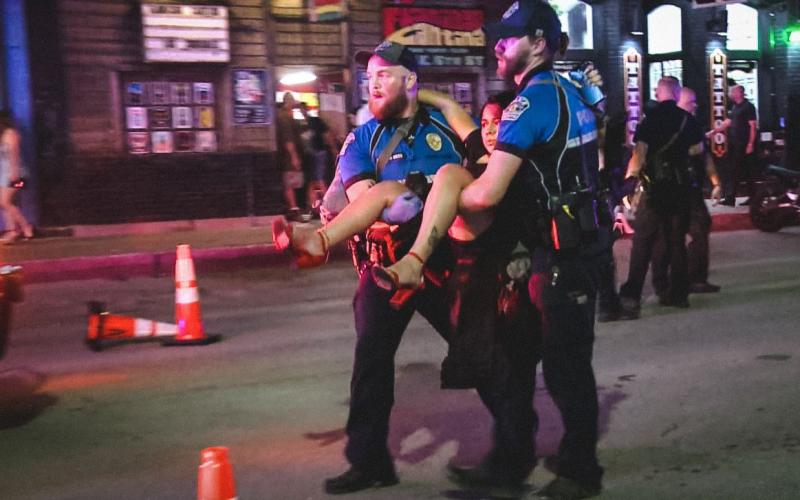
(697, 250)
(664, 141)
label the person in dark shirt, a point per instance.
(741, 125)
(697, 250)
(664, 141)
(320, 151)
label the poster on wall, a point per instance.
(204, 117)
(134, 94)
(250, 97)
(162, 142)
(203, 93)
(181, 93)
(160, 118)
(138, 142)
(436, 36)
(136, 118)
(205, 141)
(160, 93)
(182, 117)
(184, 141)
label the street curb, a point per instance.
(158, 264)
(162, 263)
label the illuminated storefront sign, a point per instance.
(185, 33)
(438, 37)
(718, 63)
(633, 92)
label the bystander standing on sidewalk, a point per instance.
(11, 181)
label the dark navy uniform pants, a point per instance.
(563, 291)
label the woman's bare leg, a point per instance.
(11, 213)
(356, 217)
(441, 208)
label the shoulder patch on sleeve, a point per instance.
(517, 107)
(351, 137)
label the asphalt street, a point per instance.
(695, 404)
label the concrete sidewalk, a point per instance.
(141, 249)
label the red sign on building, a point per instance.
(438, 37)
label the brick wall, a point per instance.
(113, 189)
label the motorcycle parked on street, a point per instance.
(775, 203)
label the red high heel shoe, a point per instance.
(389, 280)
(283, 238)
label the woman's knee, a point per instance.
(453, 173)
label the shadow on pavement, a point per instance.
(20, 402)
(425, 418)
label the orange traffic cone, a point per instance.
(111, 329)
(215, 475)
(187, 303)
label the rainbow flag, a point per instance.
(327, 10)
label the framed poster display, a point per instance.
(162, 142)
(204, 117)
(160, 93)
(138, 142)
(203, 93)
(135, 94)
(184, 141)
(181, 93)
(250, 97)
(136, 118)
(206, 141)
(176, 115)
(160, 118)
(182, 117)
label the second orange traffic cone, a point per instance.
(187, 303)
(107, 329)
(215, 475)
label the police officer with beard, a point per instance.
(427, 145)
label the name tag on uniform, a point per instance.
(397, 156)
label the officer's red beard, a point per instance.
(388, 107)
(508, 67)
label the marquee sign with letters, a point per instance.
(438, 37)
(718, 69)
(632, 63)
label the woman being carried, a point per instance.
(392, 201)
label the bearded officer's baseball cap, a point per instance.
(528, 17)
(393, 52)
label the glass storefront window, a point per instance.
(664, 30)
(576, 20)
(742, 27)
(661, 69)
(745, 73)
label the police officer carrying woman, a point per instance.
(548, 144)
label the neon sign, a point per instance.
(718, 66)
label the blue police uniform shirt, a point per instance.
(528, 130)
(430, 145)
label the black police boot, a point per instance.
(631, 308)
(355, 479)
(564, 488)
(485, 479)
